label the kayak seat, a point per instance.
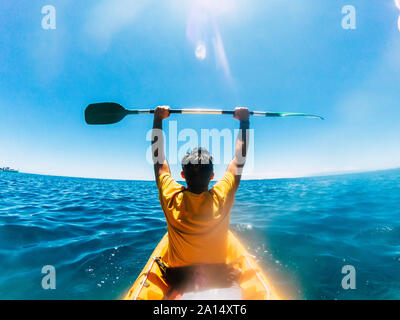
(233, 293)
(200, 277)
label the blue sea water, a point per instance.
(98, 234)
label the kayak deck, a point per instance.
(253, 283)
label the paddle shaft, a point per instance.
(205, 111)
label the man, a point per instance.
(197, 217)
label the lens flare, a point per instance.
(220, 55)
(201, 51)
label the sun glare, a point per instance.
(203, 30)
(398, 23)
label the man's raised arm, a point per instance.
(238, 161)
(157, 142)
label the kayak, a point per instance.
(253, 284)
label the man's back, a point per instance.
(198, 224)
(197, 218)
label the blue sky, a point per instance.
(277, 55)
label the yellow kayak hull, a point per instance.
(253, 283)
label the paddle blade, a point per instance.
(291, 114)
(104, 113)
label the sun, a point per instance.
(216, 7)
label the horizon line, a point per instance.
(311, 175)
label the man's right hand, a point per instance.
(242, 114)
(161, 112)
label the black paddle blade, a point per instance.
(104, 113)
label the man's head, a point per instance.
(197, 169)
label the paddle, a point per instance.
(110, 112)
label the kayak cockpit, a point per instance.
(251, 283)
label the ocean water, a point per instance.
(98, 234)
